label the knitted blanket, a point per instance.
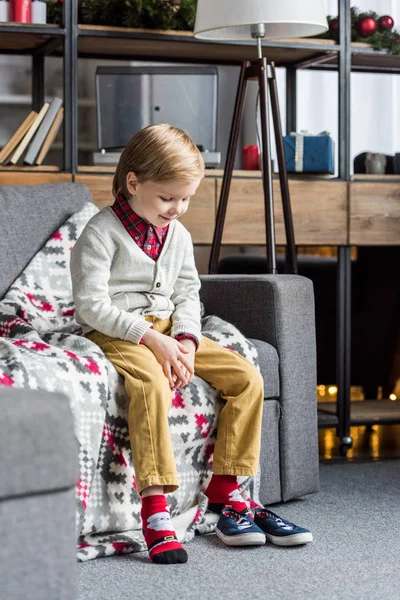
(42, 347)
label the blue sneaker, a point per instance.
(238, 529)
(279, 531)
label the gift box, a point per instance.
(307, 153)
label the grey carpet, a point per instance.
(355, 555)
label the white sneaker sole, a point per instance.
(245, 539)
(290, 540)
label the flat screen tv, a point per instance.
(130, 98)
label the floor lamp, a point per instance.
(239, 20)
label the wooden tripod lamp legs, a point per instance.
(248, 71)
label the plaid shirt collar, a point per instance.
(135, 225)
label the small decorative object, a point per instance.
(308, 153)
(251, 158)
(375, 163)
(371, 28)
(396, 163)
(38, 12)
(366, 26)
(4, 11)
(386, 22)
(20, 11)
(334, 25)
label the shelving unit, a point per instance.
(40, 41)
(363, 222)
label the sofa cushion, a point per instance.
(269, 367)
(29, 215)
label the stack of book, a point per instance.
(34, 137)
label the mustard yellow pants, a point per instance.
(240, 384)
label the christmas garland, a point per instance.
(147, 14)
(180, 15)
(370, 28)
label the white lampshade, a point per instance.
(231, 19)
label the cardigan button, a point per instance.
(158, 284)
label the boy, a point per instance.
(136, 291)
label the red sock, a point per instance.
(223, 490)
(158, 531)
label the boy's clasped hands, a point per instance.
(176, 358)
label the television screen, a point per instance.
(130, 98)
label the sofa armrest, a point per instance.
(39, 469)
(37, 442)
(279, 309)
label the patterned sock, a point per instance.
(223, 490)
(159, 533)
(252, 504)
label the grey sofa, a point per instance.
(276, 312)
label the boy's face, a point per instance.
(160, 203)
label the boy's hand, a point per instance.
(173, 356)
(185, 375)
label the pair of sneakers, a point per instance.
(241, 529)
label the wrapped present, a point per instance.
(307, 153)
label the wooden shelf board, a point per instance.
(27, 169)
(319, 216)
(26, 37)
(380, 178)
(220, 173)
(209, 172)
(363, 55)
(182, 45)
(374, 217)
(359, 213)
(367, 411)
(107, 170)
(29, 26)
(123, 41)
(33, 177)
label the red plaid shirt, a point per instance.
(148, 237)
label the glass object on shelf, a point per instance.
(4, 11)
(39, 12)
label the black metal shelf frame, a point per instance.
(69, 36)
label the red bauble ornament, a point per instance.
(366, 26)
(334, 28)
(386, 22)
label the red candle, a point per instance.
(251, 158)
(20, 11)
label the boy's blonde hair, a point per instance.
(158, 153)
